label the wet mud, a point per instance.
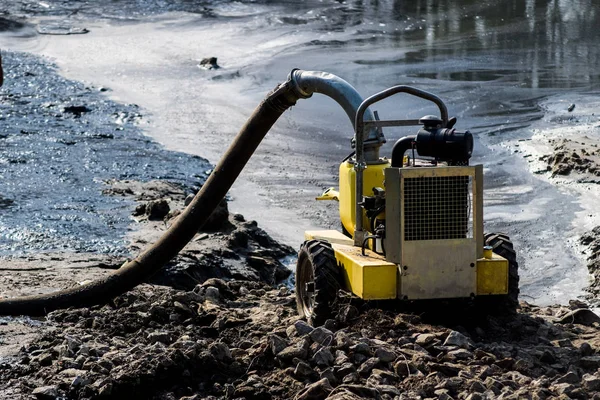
(61, 143)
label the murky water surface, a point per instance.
(493, 62)
(60, 142)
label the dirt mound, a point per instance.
(242, 339)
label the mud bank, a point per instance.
(564, 150)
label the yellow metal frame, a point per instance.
(492, 275)
(369, 277)
(373, 176)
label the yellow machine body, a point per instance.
(373, 176)
(368, 276)
(435, 262)
(371, 277)
(492, 275)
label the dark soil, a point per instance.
(241, 339)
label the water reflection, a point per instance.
(538, 44)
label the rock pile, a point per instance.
(243, 340)
(571, 156)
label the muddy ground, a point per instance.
(243, 340)
(564, 149)
(220, 321)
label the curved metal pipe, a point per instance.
(400, 148)
(308, 82)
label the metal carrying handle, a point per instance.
(360, 123)
(359, 127)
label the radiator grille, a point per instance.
(437, 208)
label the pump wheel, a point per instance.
(503, 246)
(317, 281)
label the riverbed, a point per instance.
(499, 66)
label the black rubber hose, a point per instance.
(400, 148)
(183, 229)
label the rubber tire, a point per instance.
(503, 246)
(316, 263)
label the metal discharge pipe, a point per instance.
(132, 273)
(308, 82)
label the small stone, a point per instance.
(362, 391)
(188, 199)
(209, 63)
(345, 369)
(293, 351)
(390, 390)
(323, 357)
(458, 339)
(582, 316)
(591, 382)
(318, 390)
(447, 369)
(45, 359)
(477, 386)
(385, 355)
(590, 362)
(563, 388)
(105, 390)
(361, 348)
(368, 365)
(585, 349)
(72, 372)
(277, 344)
(46, 392)
(382, 377)
(322, 336)
(569, 377)
(159, 336)
(303, 328)
(359, 358)
(402, 368)
(340, 357)
(460, 354)
(571, 108)
(213, 294)
(303, 370)
(220, 352)
(351, 378)
(442, 394)
(157, 210)
(522, 365)
(426, 340)
(329, 375)
(80, 380)
(330, 324)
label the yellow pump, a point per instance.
(410, 232)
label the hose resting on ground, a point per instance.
(183, 229)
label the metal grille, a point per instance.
(438, 208)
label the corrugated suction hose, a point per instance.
(183, 229)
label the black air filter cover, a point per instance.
(445, 144)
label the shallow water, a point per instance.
(494, 64)
(60, 144)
